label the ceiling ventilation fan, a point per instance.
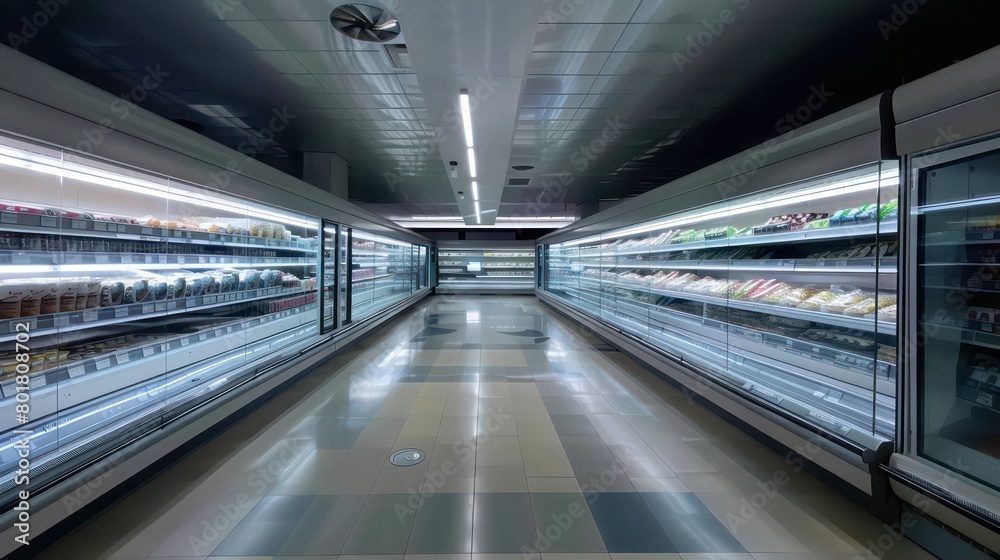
(365, 23)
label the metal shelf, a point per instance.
(49, 225)
(102, 316)
(832, 232)
(119, 357)
(841, 266)
(860, 323)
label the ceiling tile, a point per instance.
(344, 62)
(382, 125)
(566, 85)
(383, 114)
(416, 100)
(566, 63)
(697, 11)
(317, 101)
(551, 100)
(282, 61)
(409, 83)
(304, 83)
(360, 83)
(577, 37)
(542, 125)
(290, 9)
(257, 36)
(540, 114)
(314, 36)
(373, 101)
(658, 100)
(657, 84)
(741, 37)
(587, 11)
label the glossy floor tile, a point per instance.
(538, 441)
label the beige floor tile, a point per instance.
(500, 479)
(576, 556)
(435, 389)
(541, 485)
(708, 483)
(499, 451)
(545, 461)
(658, 485)
(718, 556)
(461, 405)
(754, 528)
(429, 404)
(665, 556)
(494, 389)
(523, 390)
(421, 425)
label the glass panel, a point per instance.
(343, 269)
(329, 289)
(137, 296)
(958, 316)
(779, 294)
(382, 273)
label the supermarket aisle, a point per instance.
(542, 442)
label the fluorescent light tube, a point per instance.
(477, 208)
(475, 191)
(472, 163)
(463, 98)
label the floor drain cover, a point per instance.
(407, 457)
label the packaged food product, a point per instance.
(778, 292)
(766, 290)
(887, 313)
(68, 289)
(815, 224)
(843, 301)
(817, 300)
(797, 296)
(136, 290)
(862, 308)
(12, 292)
(93, 294)
(48, 292)
(889, 209)
(746, 287)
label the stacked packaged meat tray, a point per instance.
(33, 297)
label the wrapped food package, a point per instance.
(746, 287)
(93, 294)
(136, 290)
(68, 289)
(844, 301)
(797, 296)
(762, 289)
(778, 292)
(158, 288)
(862, 308)
(889, 210)
(48, 292)
(12, 293)
(176, 286)
(817, 300)
(193, 285)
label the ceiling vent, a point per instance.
(518, 182)
(523, 167)
(365, 23)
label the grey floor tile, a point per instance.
(561, 404)
(382, 427)
(280, 508)
(564, 524)
(545, 460)
(573, 425)
(554, 484)
(382, 526)
(627, 525)
(552, 388)
(689, 525)
(442, 525)
(341, 434)
(324, 527)
(255, 538)
(502, 523)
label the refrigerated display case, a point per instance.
(383, 271)
(125, 296)
(128, 299)
(468, 267)
(951, 445)
(788, 295)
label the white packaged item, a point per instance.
(68, 288)
(12, 293)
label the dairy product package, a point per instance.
(112, 292)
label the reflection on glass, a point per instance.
(788, 295)
(382, 273)
(958, 314)
(141, 295)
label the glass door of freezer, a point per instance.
(954, 324)
(329, 290)
(343, 269)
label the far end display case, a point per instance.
(504, 266)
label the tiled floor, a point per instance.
(541, 443)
